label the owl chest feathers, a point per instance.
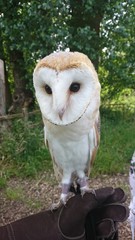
(71, 146)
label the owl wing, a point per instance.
(94, 140)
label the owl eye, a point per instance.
(74, 87)
(48, 89)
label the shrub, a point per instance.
(22, 149)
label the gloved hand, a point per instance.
(72, 221)
(102, 222)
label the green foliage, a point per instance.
(33, 28)
(117, 142)
(22, 150)
(118, 49)
(103, 30)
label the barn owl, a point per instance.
(68, 93)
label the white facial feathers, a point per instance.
(64, 96)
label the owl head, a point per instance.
(66, 85)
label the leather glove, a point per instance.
(67, 222)
(102, 222)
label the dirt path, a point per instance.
(24, 197)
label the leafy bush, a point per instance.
(22, 149)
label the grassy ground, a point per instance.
(23, 154)
(116, 147)
(23, 197)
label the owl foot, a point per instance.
(87, 190)
(63, 197)
(61, 202)
(84, 188)
(54, 206)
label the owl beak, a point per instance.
(61, 113)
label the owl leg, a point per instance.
(63, 197)
(84, 187)
(65, 186)
(65, 191)
(83, 182)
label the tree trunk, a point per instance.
(2, 90)
(8, 96)
(17, 61)
(22, 98)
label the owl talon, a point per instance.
(84, 188)
(93, 192)
(83, 185)
(60, 203)
(87, 190)
(64, 198)
(54, 206)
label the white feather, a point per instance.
(71, 145)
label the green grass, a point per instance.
(14, 194)
(22, 151)
(18, 194)
(116, 147)
(3, 182)
(23, 154)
